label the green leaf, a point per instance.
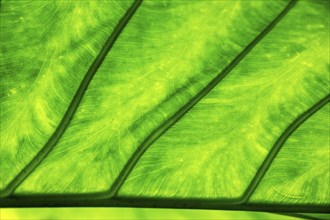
(304, 177)
(202, 104)
(46, 48)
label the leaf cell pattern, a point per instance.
(202, 104)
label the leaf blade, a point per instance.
(218, 152)
(305, 177)
(128, 128)
(103, 149)
(71, 110)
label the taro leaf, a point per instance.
(201, 104)
(46, 48)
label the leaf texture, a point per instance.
(305, 177)
(200, 104)
(250, 109)
(46, 48)
(131, 95)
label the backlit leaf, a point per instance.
(203, 104)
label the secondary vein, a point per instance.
(182, 111)
(42, 154)
(278, 145)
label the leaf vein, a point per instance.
(181, 112)
(42, 154)
(278, 145)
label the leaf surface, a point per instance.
(303, 178)
(46, 48)
(239, 121)
(131, 95)
(190, 106)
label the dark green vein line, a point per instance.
(12, 202)
(305, 216)
(278, 145)
(27, 201)
(181, 112)
(42, 154)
